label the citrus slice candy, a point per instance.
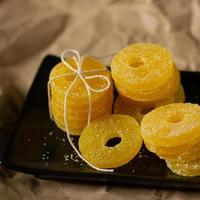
(137, 110)
(160, 92)
(93, 142)
(78, 92)
(191, 168)
(141, 65)
(192, 152)
(172, 125)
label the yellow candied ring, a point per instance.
(191, 168)
(137, 110)
(81, 116)
(172, 125)
(132, 109)
(160, 92)
(107, 97)
(93, 140)
(78, 92)
(76, 126)
(178, 97)
(168, 152)
(191, 153)
(146, 66)
(187, 152)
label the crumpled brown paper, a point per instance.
(32, 29)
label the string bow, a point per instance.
(79, 73)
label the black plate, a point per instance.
(37, 147)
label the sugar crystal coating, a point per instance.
(165, 90)
(92, 142)
(172, 125)
(190, 153)
(77, 109)
(140, 70)
(191, 168)
(137, 110)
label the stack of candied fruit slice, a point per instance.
(173, 133)
(145, 77)
(77, 100)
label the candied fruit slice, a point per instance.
(78, 91)
(172, 125)
(160, 92)
(141, 65)
(75, 115)
(137, 110)
(77, 100)
(93, 142)
(105, 99)
(133, 109)
(190, 153)
(168, 152)
(191, 168)
(76, 122)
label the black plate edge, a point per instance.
(107, 178)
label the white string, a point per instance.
(79, 74)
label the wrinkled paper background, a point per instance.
(31, 29)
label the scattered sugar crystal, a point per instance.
(28, 140)
(51, 133)
(66, 157)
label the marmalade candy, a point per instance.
(137, 110)
(77, 99)
(94, 138)
(159, 93)
(172, 125)
(145, 72)
(191, 168)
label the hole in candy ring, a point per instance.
(175, 118)
(113, 142)
(136, 62)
